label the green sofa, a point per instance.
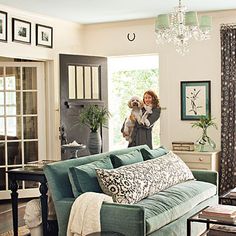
(162, 214)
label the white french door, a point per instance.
(22, 121)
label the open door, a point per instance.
(83, 81)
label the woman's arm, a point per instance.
(153, 117)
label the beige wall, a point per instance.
(202, 63)
(67, 39)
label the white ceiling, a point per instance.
(97, 11)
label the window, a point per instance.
(129, 76)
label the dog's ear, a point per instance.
(129, 104)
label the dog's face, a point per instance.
(135, 102)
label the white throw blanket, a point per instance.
(85, 214)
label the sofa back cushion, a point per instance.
(83, 178)
(151, 154)
(126, 159)
(130, 184)
(57, 172)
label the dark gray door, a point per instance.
(83, 81)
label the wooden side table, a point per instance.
(200, 160)
(29, 174)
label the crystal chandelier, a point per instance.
(180, 26)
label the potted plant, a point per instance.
(205, 143)
(94, 117)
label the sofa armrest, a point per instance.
(63, 208)
(206, 176)
(128, 220)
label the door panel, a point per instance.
(83, 81)
(22, 121)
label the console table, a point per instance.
(29, 174)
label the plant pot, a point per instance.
(94, 143)
(205, 143)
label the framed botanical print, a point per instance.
(195, 99)
(21, 31)
(44, 36)
(3, 26)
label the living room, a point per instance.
(109, 39)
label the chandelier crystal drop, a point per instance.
(181, 26)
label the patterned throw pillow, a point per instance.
(131, 183)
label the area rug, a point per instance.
(22, 231)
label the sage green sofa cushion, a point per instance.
(172, 203)
(153, 153)
(84, 177)
(126, 159)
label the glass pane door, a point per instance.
(20, 138)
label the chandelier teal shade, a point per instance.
(180, 26)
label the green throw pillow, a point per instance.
(126, 159)
(151, 154)
(83, 178)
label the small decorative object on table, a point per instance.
(37, 165)
(183, 146)
(73, 147)
(94, 117)
(222, 230)
(226, 213)
(205, 143)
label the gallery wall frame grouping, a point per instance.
(22, 31)
(3, 26)
(195, 99)
(44, 35)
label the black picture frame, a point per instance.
(3, 26)
(44, 36)
(195, 99)
(21, 31)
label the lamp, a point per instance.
(180, 26)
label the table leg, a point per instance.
(44, 205)
(14, 201)
(188, 227)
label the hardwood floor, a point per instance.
(6, 214)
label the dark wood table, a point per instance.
(28, 174)
(227, 198)
(195, 218)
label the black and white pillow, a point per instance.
(130, 184)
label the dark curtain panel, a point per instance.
(228, 107)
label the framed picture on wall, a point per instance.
(3, 26)
(21, 31)
(44, 36)
(195, 99)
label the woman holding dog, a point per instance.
(142, 132)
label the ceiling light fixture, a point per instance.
(180, 26)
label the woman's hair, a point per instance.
(155, 99)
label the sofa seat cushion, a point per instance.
(170, 204)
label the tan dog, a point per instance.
(136, 104)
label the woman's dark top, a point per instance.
(143, 134)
